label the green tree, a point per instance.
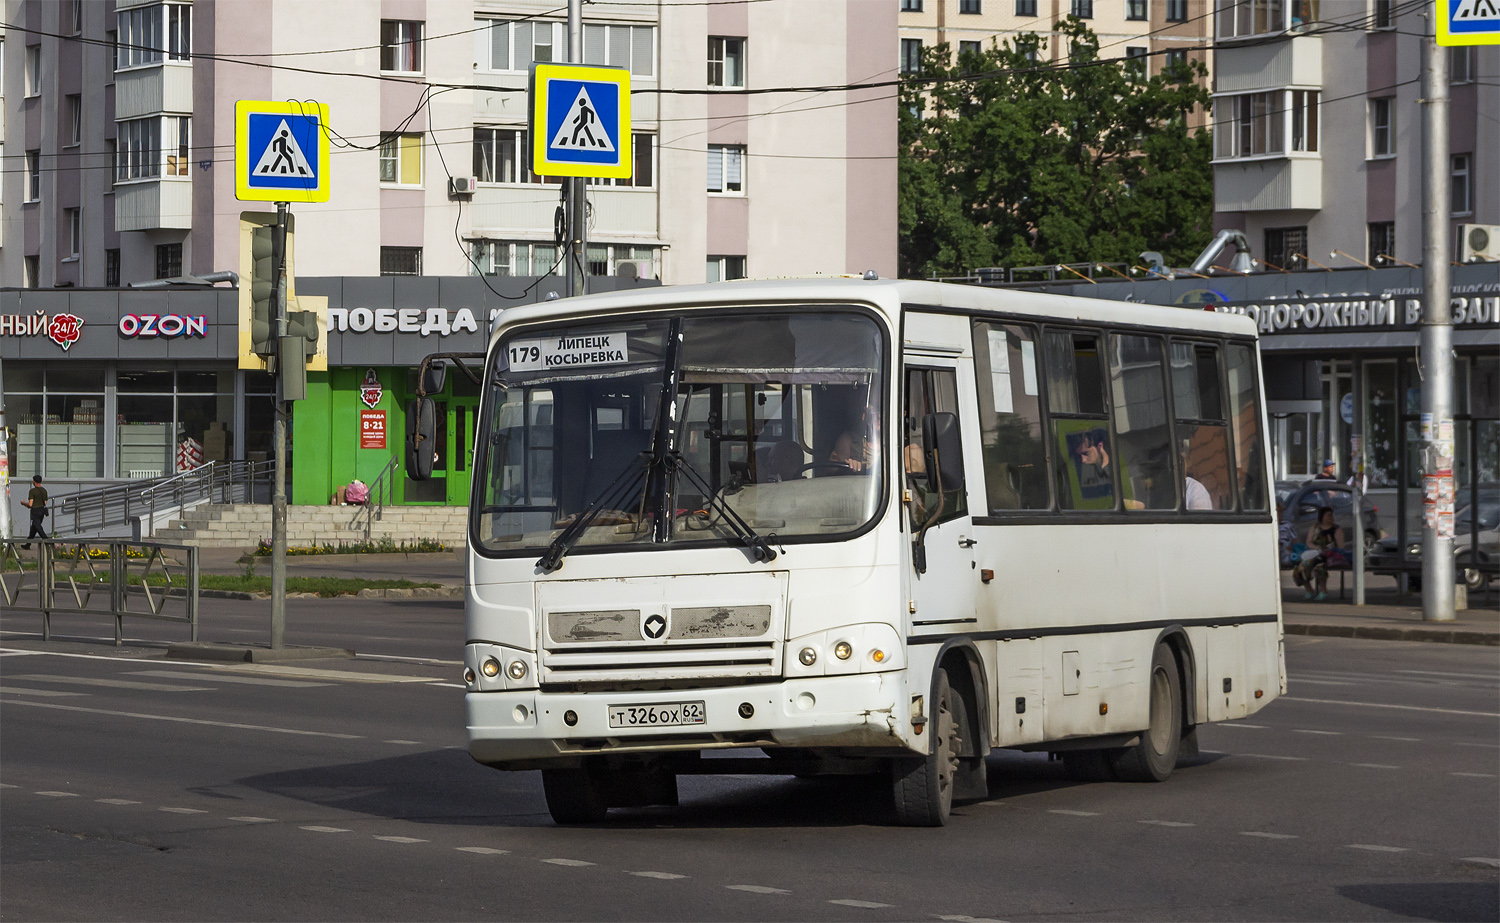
(1007, 160)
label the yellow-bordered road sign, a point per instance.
(1468, 22)
(280, 151)
(580, 120)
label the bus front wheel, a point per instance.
(1154, 758)
(923, 786)
(574, 796)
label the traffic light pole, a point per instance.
(278, 437)
(1435, 347)
(575, 211)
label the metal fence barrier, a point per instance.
(94, 577)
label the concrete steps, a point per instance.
(246, 524)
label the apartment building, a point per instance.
(1159, 31)
(120, 147)
(1319, 144)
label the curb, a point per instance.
(424, 592)
(1380, 633)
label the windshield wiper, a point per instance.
(760, 549)
(620, 487)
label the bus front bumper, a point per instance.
(861, 710)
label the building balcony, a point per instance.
(526, 212)
(1269, 184)
(1295, 61)
(153, 89)
(152, 204)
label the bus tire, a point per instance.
(1154, 758)
(573, 796)
(923, 786)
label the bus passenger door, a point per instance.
(939, 525)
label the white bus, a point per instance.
(852, 526)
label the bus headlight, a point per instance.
(491, 667)
(808, 656)
(842, 650)
(863, 648)
(517, 669)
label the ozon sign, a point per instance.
(164, 325)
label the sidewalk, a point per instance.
(445, 567)
(1387, 617)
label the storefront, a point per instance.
(105, 385)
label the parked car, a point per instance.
(1474, 570)
(1301, 500)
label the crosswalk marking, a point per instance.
(44, 693)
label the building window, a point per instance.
(1384, 17)
(1135, 9)
(31, 268)
(1459, 185)
(1286, 248)
(1383, 127)
(152, 147)
(401, 159)
(498, 156)
(911, 6)
(1083, 9)
(33, 70)
(513, 46)
(1382, 236)
(112, 39)
(642, 151)
(74, 219)
(1176, 58)
(1305, 120)
(970, 48)
(630, 47)
(1239, 18)
(112, 268)
(726, 61)
(75, 119)
(1135, 59)
(911, 55)
(75, 17)
(1461, 64)
(151, 34)
(726, 169)
(33, 176)
(168, 261)
(525, 42)
(1177, 11)
(1248, 125)
(400, 261)
(968, 6)
(724, 268)
(514, 258)
(57, 414)
(1025, 7)
(400, 46)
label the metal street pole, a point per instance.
(5, 462)
(278, 438)
(1357, 481)
(576, 215)
(1435, 351)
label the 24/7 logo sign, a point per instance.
(65, 329)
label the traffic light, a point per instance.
(261, 278)
(257, 296)
(296, 348)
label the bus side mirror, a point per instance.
(941, 449)
(421, 437)
(434, 377)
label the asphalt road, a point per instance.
(132, 787)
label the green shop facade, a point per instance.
(109, 385)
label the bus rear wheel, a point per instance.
(1154, 758)
(574, 796)
(923, 786)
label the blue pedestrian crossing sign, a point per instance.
(280, 151)
(580, 120)
(1468, 22)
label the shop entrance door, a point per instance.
(457, 418)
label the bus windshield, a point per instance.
(778, 413)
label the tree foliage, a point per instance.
(1010, 161)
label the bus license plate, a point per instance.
(667, 714)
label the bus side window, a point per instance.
(1010, 418)
(1143, 432)
(928, 391)
(1244, 417)
(1202, 435)
(1079, 416)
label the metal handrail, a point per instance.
(127, 503)
(382, 491)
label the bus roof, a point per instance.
(890, 297)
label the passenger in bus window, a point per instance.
(1197, 496)
(856, 446)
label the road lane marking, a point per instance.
(1465, 743)
(1167, 823)
(863, 905)
(221, 678)
(347, 676)
(1375, 765)
(404, 743)
(45, 693)
(664, 876)
(449, 685)
(1273, 756)
(401, 839)
(1481, 860)
(1323, 733)
(1073, 813)
(115, 801)
(432, 660)
(1489, 676)
(59, 794)
(182, 810)
(757, 889)
(1405, 740)
(174, 718)
(961, 918)
(1438, 711)
(315, 828)
(1268, 836)
(483, 850)
(8, 785)
(1474, 775)
(570, 863)
(1317, 682)
(255, 820)
(1372, 848)
(110, 683)
(19, 653)
(1240, 724)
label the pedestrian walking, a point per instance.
(36, 501)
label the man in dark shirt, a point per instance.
(36, 500)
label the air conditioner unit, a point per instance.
(1479, 242)
(461, 185)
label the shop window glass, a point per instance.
(24, 414)
(75, 379)
(1382, 423)
(1244, 410)
(142, 381)
(144, 438)
(1143, 435)
(24, 380)
(1010, 418)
